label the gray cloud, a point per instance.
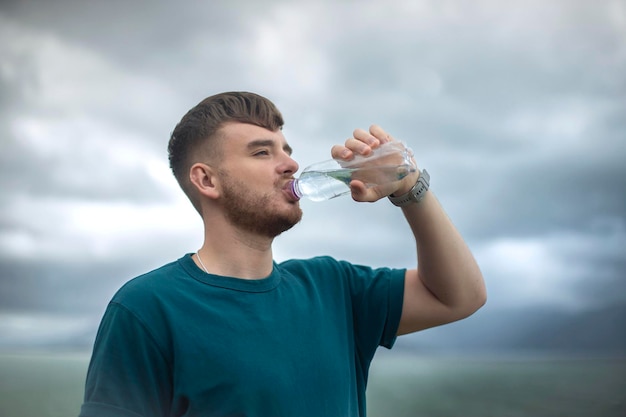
(517, 111)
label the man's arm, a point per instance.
(128, 374)
(447, 285)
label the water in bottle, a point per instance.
(390, 162)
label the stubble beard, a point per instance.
(256, 213)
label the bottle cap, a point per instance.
(292, 187)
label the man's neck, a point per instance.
(237, 254)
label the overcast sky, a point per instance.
(517, 109)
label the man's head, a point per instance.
(195, 137)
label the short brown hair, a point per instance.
(192, 136)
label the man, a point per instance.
(227, 331)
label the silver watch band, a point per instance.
(415, 194)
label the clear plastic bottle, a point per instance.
(322, 181)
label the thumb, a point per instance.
(361, 193)
(358, 190)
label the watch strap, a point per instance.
(415, 194)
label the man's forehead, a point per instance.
(245, 134)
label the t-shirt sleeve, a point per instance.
(128, 374)
(377, 296)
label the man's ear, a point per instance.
(204, 178)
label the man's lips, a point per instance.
(288, 190)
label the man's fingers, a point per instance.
(366, 137)
(359, 147)
(380, 134)
(341, 152)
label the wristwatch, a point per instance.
(415, 194)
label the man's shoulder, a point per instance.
(316, 263)
(327, 266)
(151, 283)
(318, 269)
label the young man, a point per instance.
(226, 331)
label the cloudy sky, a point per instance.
(517, 109)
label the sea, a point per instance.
(50, 384)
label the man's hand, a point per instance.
(363, 143)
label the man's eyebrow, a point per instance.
(268, 142)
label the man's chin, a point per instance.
(292, 220)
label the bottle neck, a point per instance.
(295, 191)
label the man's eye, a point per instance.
(261, 153)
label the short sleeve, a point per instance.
(128, 374)
(377, 296)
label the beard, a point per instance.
(254, 212)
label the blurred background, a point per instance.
(517, 109)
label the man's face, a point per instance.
(254, 172)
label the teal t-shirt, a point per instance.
(180, 342)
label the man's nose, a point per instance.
(290, 165)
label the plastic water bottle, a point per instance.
(322, 181)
